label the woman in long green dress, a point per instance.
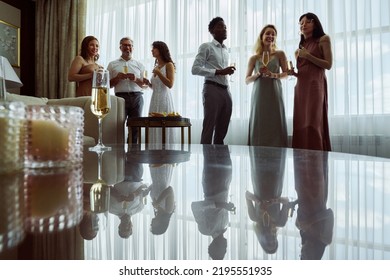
(267, 122)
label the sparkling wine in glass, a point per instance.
(100, 102)
(265, 58)
(290, 69)
(290, 65)
(145, 76)
(233, 64)
(125, 69)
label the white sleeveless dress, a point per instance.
(160, 102)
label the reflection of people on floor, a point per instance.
(212, 213)
(89, 225)
(266, 207)
(127, 198)
(314, 220)
(163, 197)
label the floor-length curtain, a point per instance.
(358, 83)
(60, 27)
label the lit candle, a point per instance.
(47, 140)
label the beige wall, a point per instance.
(11, 15)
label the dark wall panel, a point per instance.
(27, 44)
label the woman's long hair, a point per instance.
(318, 31)
(84, 47)
(164, 52)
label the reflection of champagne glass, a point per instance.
(265, 58)
(100, 192)
(233, 64)
(100, 102)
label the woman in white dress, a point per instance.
(161, 83)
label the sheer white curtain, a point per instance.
(359, 82)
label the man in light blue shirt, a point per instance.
(212, 62)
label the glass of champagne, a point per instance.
(145, 76)
(232, 64)
(125, 69)
(290, 69)
(100, 102)
(265, 58)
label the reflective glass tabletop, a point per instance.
(200, 202)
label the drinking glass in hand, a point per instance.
(125, 69)
(290, 69)
(145, 79)
(233, 64)
(265, 58)
(100, 102)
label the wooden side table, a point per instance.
(162, 122)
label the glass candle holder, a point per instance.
(54, 198)
(54, 136)
(12, 126)
(12, 210)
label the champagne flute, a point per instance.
(145, 76)
(290, 68)
(125, 69)
(232, 64)
(100, 102)
(265, 58)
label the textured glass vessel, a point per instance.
(12, 210)
(54, 136)
(53, 198)
(12, 127)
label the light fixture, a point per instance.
(8, 77)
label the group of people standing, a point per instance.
(267, 123)
(129, 77)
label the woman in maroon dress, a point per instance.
(310, 122)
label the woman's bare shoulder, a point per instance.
(170, 65)
(280, 53)
(253, 58)
(325, 39)
(79, 58)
